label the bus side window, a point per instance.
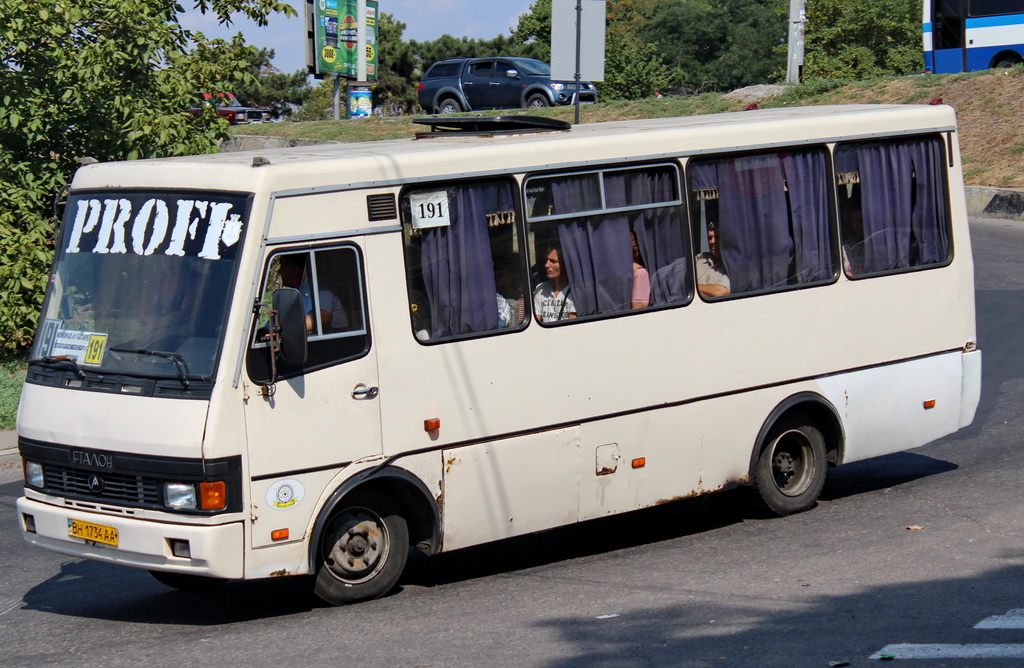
(768, 214)
(610, 229)
(330, 284)
(463, 261)
(892, 205)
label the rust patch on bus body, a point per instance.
(605, 471)
(280, 574)
(452, 461)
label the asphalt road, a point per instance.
(905, 555)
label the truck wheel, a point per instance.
(790, 470)
(363, 550)
(537, 101)
(449, 106)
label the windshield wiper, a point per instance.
(54, 359)
(179, 363)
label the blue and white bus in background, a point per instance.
(969, 35)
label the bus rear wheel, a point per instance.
(790, 471)
(363, 550)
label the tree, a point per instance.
(106, 79)
(720, 45)
(857, 39)
(271, 88)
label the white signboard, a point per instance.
(430, 209)
(563, 40)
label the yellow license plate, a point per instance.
(95, 533)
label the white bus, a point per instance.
(970, 35)
(309, 360)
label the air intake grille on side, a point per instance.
(381, 207)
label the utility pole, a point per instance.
(795, 59)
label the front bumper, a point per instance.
(215, 550)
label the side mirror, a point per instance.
(512, 73)
(292, 318)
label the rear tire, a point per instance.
(449, 106)
(362, 551)
(790, 471)
(186, 582)
(1006, 63)
(537, 101)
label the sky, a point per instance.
(423, 21)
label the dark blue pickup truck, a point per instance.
(470, 84)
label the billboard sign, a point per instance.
(333, 36)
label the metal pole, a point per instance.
(795, 58)
(579, 32)
(337, 97)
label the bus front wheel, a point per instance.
(363, 550)
(790, 471)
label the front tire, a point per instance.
(362, 551)
(790, 471)
(537, 101)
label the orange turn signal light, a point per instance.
(929, 404)
(279, 534)
(639, 462)
(431, 424)
(213, 495)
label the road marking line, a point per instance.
(7, 606)
(1014, 619)
(993, 651)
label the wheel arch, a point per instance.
(530, 91)
(820, 411)
(418, 507)
(455, 94)
(1006, 55)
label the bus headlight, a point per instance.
(34, 474)
(184, 496)
(180, 496)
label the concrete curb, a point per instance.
(984, 202)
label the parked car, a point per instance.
(470, 84)
(230, 108)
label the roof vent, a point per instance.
(488, 126)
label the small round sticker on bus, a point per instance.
(285, 494)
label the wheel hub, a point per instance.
(357, 546)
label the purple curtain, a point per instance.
(596, 250)
(457, 266)
(807, 180)
(659, 232)
(904, 214)
(770, 237)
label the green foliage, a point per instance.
(859, 39)
(12, 376)
(719, 45)
(632, 71)
(107, 79)
(272, 89)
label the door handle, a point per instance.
(365, 392)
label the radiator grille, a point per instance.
(117, 488)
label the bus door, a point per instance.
(948, 36)
(321, 413)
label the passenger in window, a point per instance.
(641, 296)
(295, 274)
(712, 280)
(552, 300)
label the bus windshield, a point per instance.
(141, 283)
